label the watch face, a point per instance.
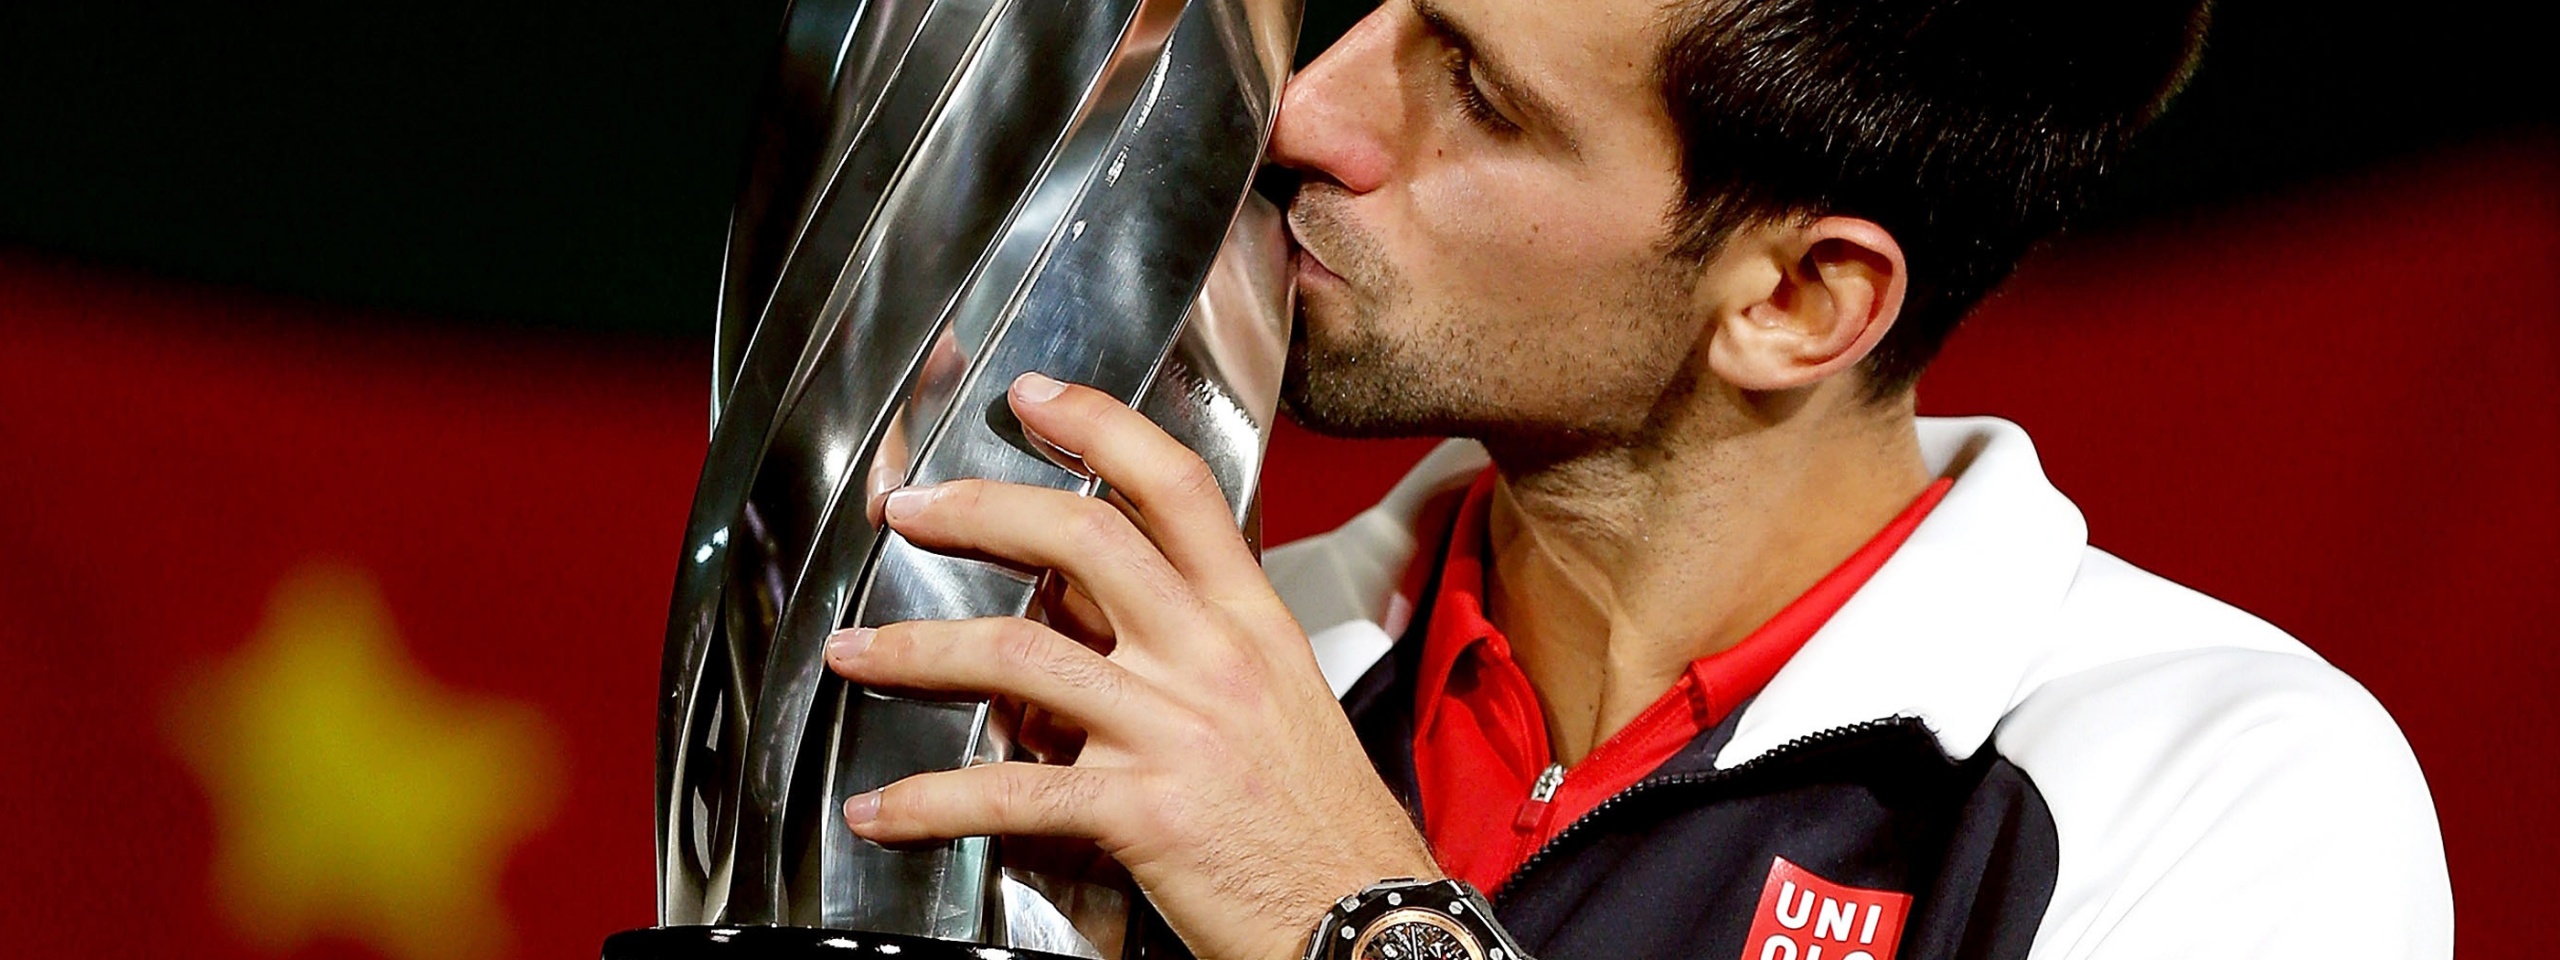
(1411, 934)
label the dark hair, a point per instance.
(1969, 129)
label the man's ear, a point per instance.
(1799, 303)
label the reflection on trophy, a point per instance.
(944, 195)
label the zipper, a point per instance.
(1548, 780)
(1782, 753)
(1533, 814)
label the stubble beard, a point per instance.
(1360, 380)
(1363, 384)
(1387, 365)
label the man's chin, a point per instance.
(1333, 423)
(1297, 401)
(1344, 379)
(1325, 404)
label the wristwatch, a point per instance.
(1408, 919)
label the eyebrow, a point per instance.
(1446, 29)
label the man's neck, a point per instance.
(1613, 569)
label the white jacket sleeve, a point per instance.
(2230, 802)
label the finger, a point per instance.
(1065, 857)
(998, 656)
(1066, 609)
(1177, 499)
(888, 472)
(1087, 541)
(994, 799)
(944, 364)
(1047, 737)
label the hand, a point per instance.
(1214, 763)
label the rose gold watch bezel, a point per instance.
(1402, 915)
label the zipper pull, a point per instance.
(1534, 812)
(1548, 780)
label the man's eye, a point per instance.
(1471, 98)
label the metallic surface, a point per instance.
(945, 194)
(787, 943)
(967, 182)
(829, 76)
(700, 735)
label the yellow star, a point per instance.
(354, 797)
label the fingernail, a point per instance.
(1034, 388)
(862, 808)
(908, 502)
(849, 644)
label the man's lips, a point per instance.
(1310, 268)
(1308, 265)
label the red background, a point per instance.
(2339, 409)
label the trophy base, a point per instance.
(795, 943)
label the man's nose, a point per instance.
(1338, 116)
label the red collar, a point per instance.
(1480, 735)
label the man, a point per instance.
(1726, 653)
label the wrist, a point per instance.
(1332, 884)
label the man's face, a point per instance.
(1484, 223)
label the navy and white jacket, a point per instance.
(2007, 744)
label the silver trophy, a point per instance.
(943, 195)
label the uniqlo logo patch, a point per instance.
(1805, 917)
